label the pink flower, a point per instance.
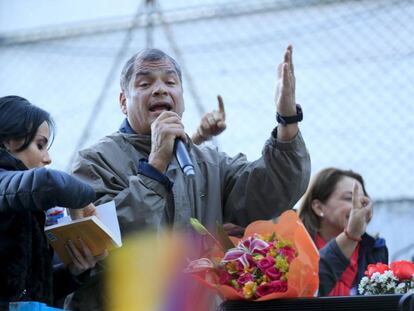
(264, 289)
(288, 252)
(244, 250)
(224, 277)
(264, 251)
(250, 260)
(273, 273)
(272, 287)
(253, 244)
(244, 278)
(266, 263)
(278, 286)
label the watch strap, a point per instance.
(290, 119)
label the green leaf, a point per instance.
(198, 226)
(223, 238)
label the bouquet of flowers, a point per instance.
(270, 261)
(396, 278)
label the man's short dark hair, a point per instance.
(147, 55)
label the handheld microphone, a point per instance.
(183, 158)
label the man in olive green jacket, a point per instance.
(136, 168)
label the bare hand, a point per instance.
(164, 130)
(285, 95)
(285, 91)
(360, 215)
(88, 210)
(212, 124)
(82, 259)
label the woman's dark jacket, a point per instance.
(333, 262)
(25, 256)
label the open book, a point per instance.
(99, 233)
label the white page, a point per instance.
(107, 215)
(64, 220)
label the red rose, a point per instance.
(266, 263)
(273, 273)
(288, 252)
(264, 289)
(279, 286)
(224, 277)
(378, 267)
(403, 270)
(244, 278)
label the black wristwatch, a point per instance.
(291, 119)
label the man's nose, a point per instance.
(159, 89)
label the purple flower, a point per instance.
(253, 244)
(244, 250)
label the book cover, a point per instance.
(98, 233)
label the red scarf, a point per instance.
(344, 284)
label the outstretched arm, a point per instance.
(41, 189)
(285, 96)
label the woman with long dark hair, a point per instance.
(336, 210)
(27, 190)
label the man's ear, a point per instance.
(123, 103)
(317, 208)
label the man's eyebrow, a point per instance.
(142, 73)
(171, 72)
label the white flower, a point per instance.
(401, 288)
(363, 284)
(385, 283)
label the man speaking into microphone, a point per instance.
(137, 166)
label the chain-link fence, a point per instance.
(354, 66)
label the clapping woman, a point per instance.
(27, 190)
(336, 210)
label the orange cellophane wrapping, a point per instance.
(303, 279)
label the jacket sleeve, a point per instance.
(332, 264)
(127, 188)
(265, 188)
(41, 189)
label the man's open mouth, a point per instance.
(160, 107)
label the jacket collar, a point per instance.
(139, 141)
(9, 162)
(372, 242)
(126, 127)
